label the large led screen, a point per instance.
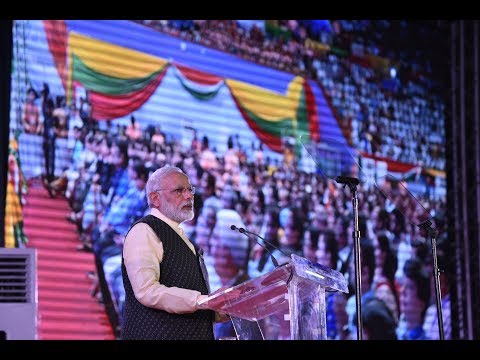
(266, 117)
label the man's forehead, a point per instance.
(177, 177)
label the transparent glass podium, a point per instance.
(287, 303)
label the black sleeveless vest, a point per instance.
(180, 268)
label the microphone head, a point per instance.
(233, 227)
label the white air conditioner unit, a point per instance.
(18, 294)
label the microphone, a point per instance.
(242, 230)
(246, 233)
(347, 180)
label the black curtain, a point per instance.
(463, 143)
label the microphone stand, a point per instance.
(248, 233)
(432, 233)
(352, 185)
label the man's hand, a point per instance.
(199, 300)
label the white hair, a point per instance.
(155, 180)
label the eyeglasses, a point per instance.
(180, 191)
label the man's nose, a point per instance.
(187, 194)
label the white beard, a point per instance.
(176, 214)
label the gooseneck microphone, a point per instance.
(242, 230)
(246, 233)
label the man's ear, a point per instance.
(154, 198)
